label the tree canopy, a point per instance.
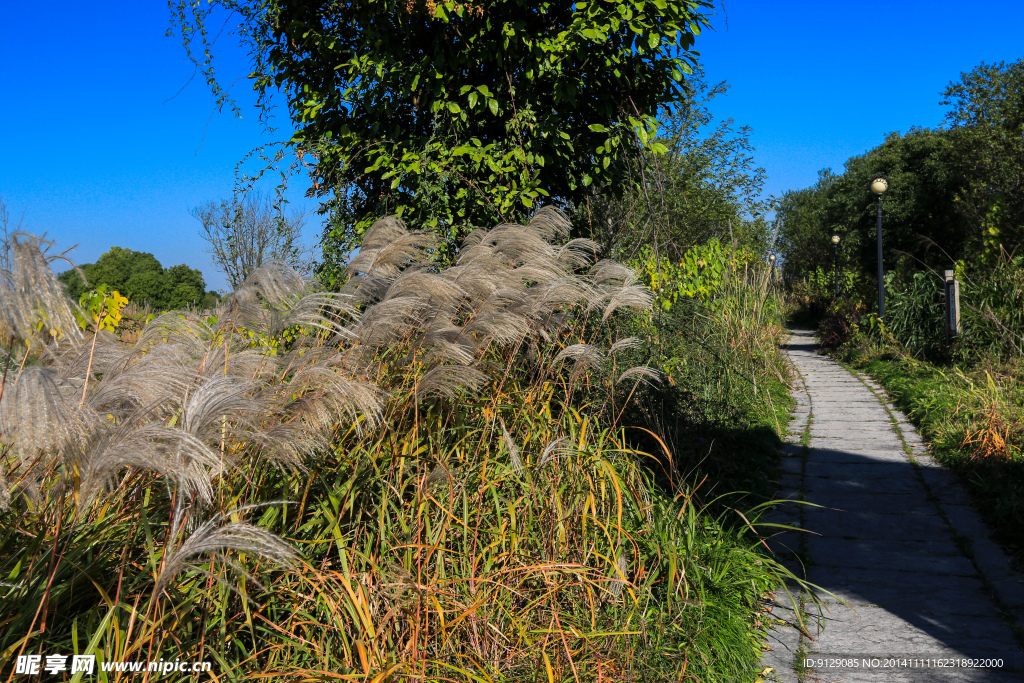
(455, 114)
(921, 209)
(703, 186)
(140, 277)
(987, 118)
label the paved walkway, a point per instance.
(895, 539)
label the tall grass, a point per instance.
(419, 477)
(716, 334)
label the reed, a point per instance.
(413, 478)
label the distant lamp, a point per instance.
(835, 262)
(879, 186)
(771, 262)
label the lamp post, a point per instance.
(771, 262)
(880, 185)
(835, 263)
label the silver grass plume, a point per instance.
(217, 400)
(215, 540)
(30, 293)
(73, 360)
(642, 373)
(185, 329)
(40, 413)
(608, 273)
(509, 283)
(621, 573)
(327, 394)
(174, 453)
(585, 356)
(636, 297)
(578, 253)
(155, 382)
(383, 232)
(5, 490)
(276, 296)
(513, 450)
(449, 345)
(551, 223)
(235, 359)
(557, 448)
(449, 380)
(277, 283)
(626, 344)
(385, 252)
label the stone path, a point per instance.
(894, 538)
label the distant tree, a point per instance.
(242, 235)
(921, 210)
(183, 286)
(140, 277)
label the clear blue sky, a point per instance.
(97, 148)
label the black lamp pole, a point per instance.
(879, 185)
(835, 263)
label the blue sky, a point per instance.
(98, 148)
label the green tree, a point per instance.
(703, 186)
(920, 211)
(140, 277)
(183, 286)
(987, 118)
(457, 114)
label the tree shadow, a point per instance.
(879, 543)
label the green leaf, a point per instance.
(493, 104)
(473, 97)
(597, 128)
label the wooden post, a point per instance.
(952, 324)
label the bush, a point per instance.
(716, 335)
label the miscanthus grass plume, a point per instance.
(412, 477)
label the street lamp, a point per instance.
(835, 263)
(880, 185)
(771, 261)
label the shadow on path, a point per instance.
(882, 542)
